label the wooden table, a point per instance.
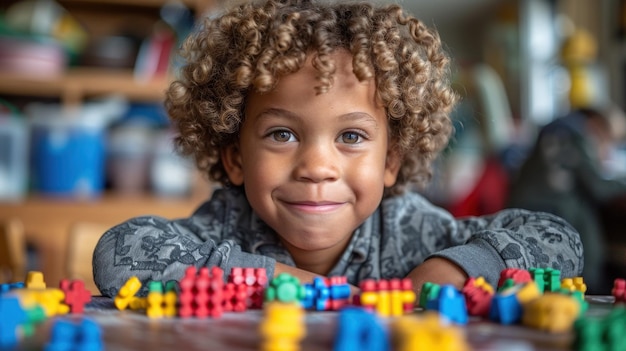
(132, 330)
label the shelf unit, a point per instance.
(78, 84)
(47, 221)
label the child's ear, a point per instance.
(392, 167)
(231, 159)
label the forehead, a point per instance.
(299, 87)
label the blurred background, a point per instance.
(84, 138)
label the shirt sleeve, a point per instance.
(157, 249)
(484, 246)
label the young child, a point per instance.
(314, 116)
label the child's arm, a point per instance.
(416, 232)
(154, 248)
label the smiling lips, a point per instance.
(314, 206)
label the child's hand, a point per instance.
(439, 271)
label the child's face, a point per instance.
(314, 166)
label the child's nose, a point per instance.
(317, 163)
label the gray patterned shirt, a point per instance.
(403, 232)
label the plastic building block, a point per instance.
(127, 293)
(360, 329)
(75, 335)
(316, 295)
(201, 292)
(339, 290)
(6, 287)
(34, 315)
(154, 300)
(76, 296)
(235, 297)
(552, 312)
(50, 299)
(254, 279)
(518, 275)
(619, 290)
(601, 333)
(13, 315)
(170, 299)
(552, 279)
(574, 284)
(408, 295)
(429, 291)
(505, 307)
(285, 288)
(527, 292)
(387, 297)
(478, 294)
(34, 280)
(283, 326)
(547, 279)
(401, 296)
(450, 303)
(426, 332)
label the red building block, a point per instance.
(518, 275)
(619, 290)
(201, 292)
(76, 296)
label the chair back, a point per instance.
(82, 241)
(13, 251)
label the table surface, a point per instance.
(133, 330)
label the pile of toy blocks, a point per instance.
(25, 305)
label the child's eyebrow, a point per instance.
(359, 116)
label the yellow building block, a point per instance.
(283, 326)
(426, 332)
(127, 293)
(34, 280)
(552, 312)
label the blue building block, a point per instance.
(12, 316)
(450, 303)
(339, 291)
(73, 335)
(6, 287)
(316, 295)
(361, 330)
(505, 308)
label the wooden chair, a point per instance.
(82, 240)
(13, 251)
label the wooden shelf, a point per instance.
(79, 83)
(146, 3)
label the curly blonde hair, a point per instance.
(253, 45)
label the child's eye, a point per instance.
(351, 138)
(282, 136)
